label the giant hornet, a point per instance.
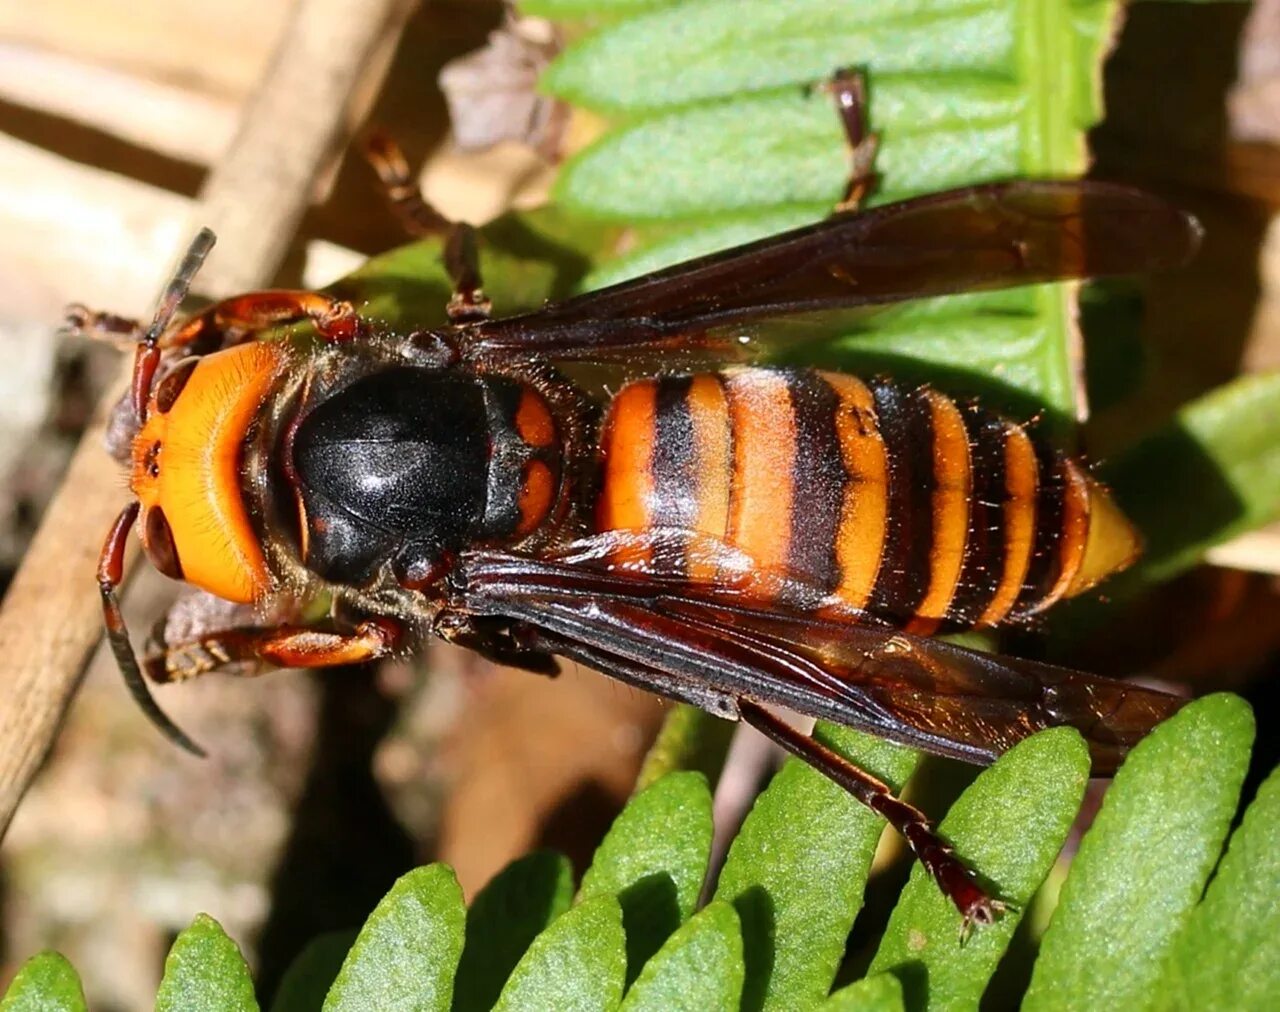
(728, 535)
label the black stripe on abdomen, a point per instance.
(818, 480)
(905, 422)
(984, 558)
(675, 485)
(1046, 559)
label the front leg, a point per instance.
(242, 317)
(283, 646)
(81, 321)
(225, 324)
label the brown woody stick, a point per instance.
(293, 125)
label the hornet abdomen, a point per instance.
(894, 500)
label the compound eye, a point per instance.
(167, 389)
(159, 544)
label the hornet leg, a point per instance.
(954, 879)
(232, 321)
(283, 646)
(240, 318)
(849, 88)
(461, 261)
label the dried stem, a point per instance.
(255, 196)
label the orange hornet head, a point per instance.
(186, 471)
(187, 458)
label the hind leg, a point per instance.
(468, 303)
(849, 89)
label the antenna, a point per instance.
(147, 357)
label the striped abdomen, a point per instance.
(891, 500)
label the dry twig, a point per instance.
(254, 198)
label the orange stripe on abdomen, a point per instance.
(952, 488)
(626, 446)
(860, 536)
(1019, 510)
(713, 453)
(1067, 542)
(764, 435)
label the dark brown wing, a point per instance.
(980, 237)
(710, 646)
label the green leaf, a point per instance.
(407, 952)
(690, 739)
(714, 49)
(578, 964)
(782, 149)
(654, 860)
(698, 968)
(881, 993)
(796, 871)
(45, 983)
(1143, 865)
(728, 147)
(1009, 825)
(1213, 473)
(1228, 957)
(204, 972)
(1025, 71)
(526, 258)
(999, 345)
(505, 917)
(309, 977)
